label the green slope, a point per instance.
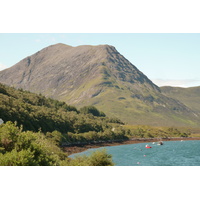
(189, 96)
(35, 112)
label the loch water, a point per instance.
(171, 153)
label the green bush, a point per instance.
(18, 158)
(100, 158)
(26, 148)
(97, 158)
(92, 110)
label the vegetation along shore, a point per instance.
(40, 131)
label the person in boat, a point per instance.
(160, 143)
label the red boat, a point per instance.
(147, 146)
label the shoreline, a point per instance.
(80, 148)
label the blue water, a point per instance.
(172, 153)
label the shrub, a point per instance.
(97, 158)
(27, 148)
(92, 110)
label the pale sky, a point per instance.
(165, 58)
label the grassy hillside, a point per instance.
(150, 108)
(38, 113)
(189, 96)
(35, 112)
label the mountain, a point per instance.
(99, 76)
(67, 70)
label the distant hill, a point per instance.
(189, 96)
(99, 76)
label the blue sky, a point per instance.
(166, 58)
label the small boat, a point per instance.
(160, 143)
(148, 147)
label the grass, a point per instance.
(189, 96)
(113, 97)
(128, 109)
(161, 132)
